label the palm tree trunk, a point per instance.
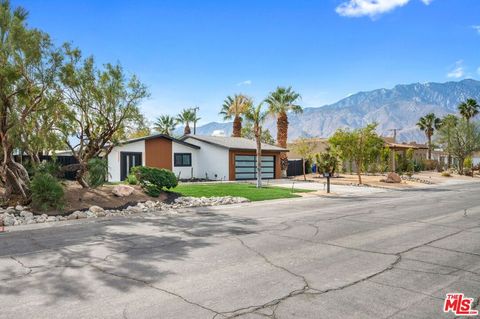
(282, 136)
(259, 156)
(429, 137)
(237, 127)
(187, 130)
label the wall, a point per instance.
(211, 160)
(158, 153)
(231, 161)
(185, 172)
(114, 158)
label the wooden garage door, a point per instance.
(245, 167)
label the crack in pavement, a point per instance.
(407, 289)
(276, 302)
(455, 251)
(150, 285)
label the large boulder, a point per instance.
(9, 220)
(122, 190)
(393, 178)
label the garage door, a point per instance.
(245, 167)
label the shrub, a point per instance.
(446, 174)
(47, 192)
(131, 180)
(158, 177)
(49, 167)
(152, 189)
(97, 171)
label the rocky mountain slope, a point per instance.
(399, 107)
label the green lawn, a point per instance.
(248, 191)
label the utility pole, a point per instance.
(393, 151)
(195, 109)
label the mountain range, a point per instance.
(399, 107)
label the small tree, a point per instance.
(464, 139)
(327, 162)
(428, 124)
(304, 147)
(256, 116)
(384, 159)
(102, 104)
(361, 146)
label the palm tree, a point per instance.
(429, 123)
(469, 109)
(280, 102)
(186, 117)
(449, 122)
(257, 117)
(235, 107)
(165, 124)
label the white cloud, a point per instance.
(476, 28)
(246, 82)
(478, 70)
(458, 70)
(371, 8)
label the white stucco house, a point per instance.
(194, 156)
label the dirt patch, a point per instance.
(78, 198)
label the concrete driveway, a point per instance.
(384, 255)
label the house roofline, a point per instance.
(279, 150)
(154, 136)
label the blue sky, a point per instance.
(195, 53)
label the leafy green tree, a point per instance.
(304, 147)
(235, 107)
(385, 159)
(102, 104)
(464, 139)
(186, 117)
(360, 146)
(281, 102)
(468, 109)
(257, 116)
(449, 122)
(410, 164)
(28, 70)
(165, 124)
(428, 124)
(247, 132)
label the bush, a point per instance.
(131, 180)
(446, 174)
(47, 192)
(430, 165)
(97, 171)
(153, 180)
(152, 189)
(49, 167)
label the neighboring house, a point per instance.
(194, 156)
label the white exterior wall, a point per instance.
(211, 160)
(114, 158)
(185, 172)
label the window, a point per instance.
(182, 159)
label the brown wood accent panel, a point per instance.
(231, 162)
(158, 153)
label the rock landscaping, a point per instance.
(14, 216)
(416, 179)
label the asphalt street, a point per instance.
(391, 254)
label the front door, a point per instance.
(127, 161)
